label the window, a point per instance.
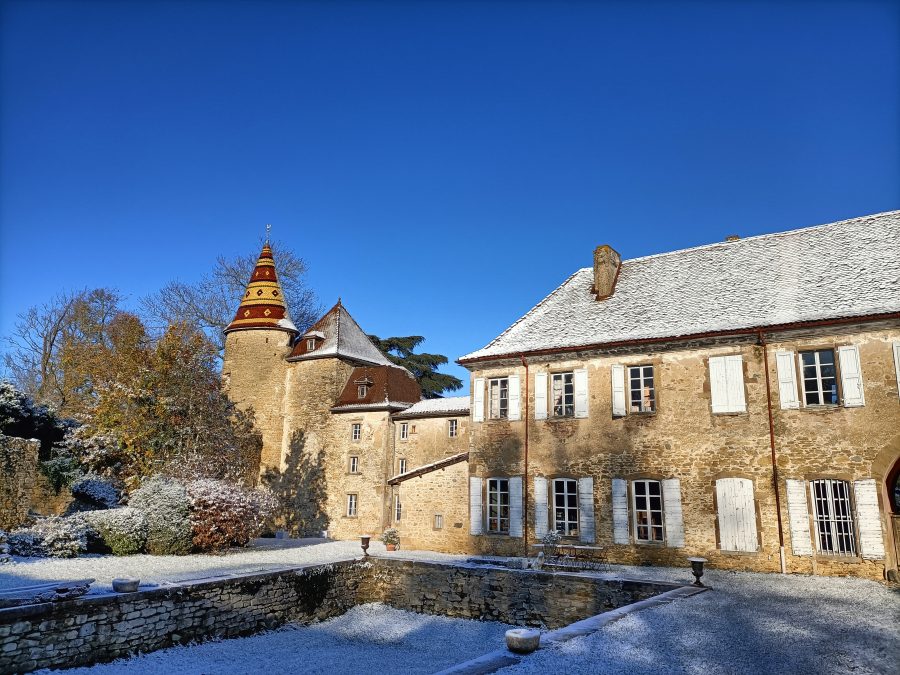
(404, 431)
(398, 508)
(356, 432)
(402, 466)
(354, 464)
(453, 428)
(438, 521)
(834, 518)
(499, 398)
(310, 344)
(642, 395)
(498, 505)
(362, 390)
(648, 510)
(562, 393)
(819, 377)
(351, 506)
(565, 506)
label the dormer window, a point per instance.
(310, 344)
(362, 390)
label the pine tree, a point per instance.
(400, 350)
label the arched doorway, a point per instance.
(893, 490)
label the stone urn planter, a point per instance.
(523, 640)
(125, 584)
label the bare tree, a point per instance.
(210, 303)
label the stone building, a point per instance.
(737, 401)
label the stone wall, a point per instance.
(18, 472)
(443, 492)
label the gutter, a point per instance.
(765, 348)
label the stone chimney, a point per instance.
(606, 270)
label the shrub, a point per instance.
(96, 491)
(224, 514)
(166, 508)
(123, 531)
(61, 471)
(390, 536)
(55, 537)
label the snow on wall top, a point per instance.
(843, 269)
(343, 338)
(439, 406)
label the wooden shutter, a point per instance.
(868, 519)
(586, 510)
(514, 403)
(620, 511)
(580, 381)
(734, 371)
(737, 514)
(476, 517)
(798, 515)
(897, 364)
(851, 377)
(787, 380)
(541, 513)
(718, 384)
(515, 506)
(478, 400)
(671, 490)
(540, 396)
(617, 373)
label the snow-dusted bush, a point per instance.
(55, 537)
(124, 530)
(4, 548)
(166, 508)
(551, 539)
(99, 492)
(61, 471)
(225, 514)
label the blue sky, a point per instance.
(441, 166)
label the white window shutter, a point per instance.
(671, 490)
(581, 392)
(787, 380)
(718, 384)
(617, 373)
(541, 513)
(734, 371)
(515, 506)
(851, 377)
(798, 515)
(586, 529)
(868, 519)
(540, 396)
(737, 514)
(476, 517)
(620, 511)
(514, 402)
(478, 400)
(897, 364)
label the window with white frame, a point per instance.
(404, 431)
(438, 521)
(642, 394)
(562, 394)
(452, 428)
(356, 431)
(498, 504)
(398, 508)
(354, 464)
(498, 393)
(819, 377)
(565, 506)
(351, 505)
(401, 466)
(361, 390)
(310, 344)
(647, 507)
(833, 517)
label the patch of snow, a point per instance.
(438, 406)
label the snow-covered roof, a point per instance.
(428, 468)
(437, 407)
(342, 338)
(849, 268)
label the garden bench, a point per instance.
(574, 556)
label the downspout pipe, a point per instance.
(765, 348)
(525, 476)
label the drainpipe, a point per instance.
(762, 343)
(525, 478)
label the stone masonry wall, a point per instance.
(18, 470)
(443, 492)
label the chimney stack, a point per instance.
(606, 270)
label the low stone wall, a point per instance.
(103, 627)
(18, 466)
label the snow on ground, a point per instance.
(367, 639)
(748, 623)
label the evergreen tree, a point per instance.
(423, 366)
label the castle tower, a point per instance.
(257, 342)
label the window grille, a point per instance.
(834, 517)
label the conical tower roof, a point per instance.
(263, 303)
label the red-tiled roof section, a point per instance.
(384, 384)
(263, 303)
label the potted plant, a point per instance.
(391, 539)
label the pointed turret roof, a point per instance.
(337, 335)
(263, 303)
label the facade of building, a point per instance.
(739, 401)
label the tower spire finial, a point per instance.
(268, 230)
